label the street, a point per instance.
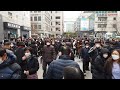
(88, 73)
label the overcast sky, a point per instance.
(71, 15)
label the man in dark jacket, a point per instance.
(56, 68)
(98, 71)
(94, 52)
(85, 57)
(48, 55)
(8, 68)
(20, 52)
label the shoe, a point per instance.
(84, 74)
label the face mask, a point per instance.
(1, 61)
(115, 57)
(97, 45)
(48, 43)
(87, 46)
(27, 54)
(105, 55)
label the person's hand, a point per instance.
(26, 72)
(24, 58)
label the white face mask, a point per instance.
(115, 57)
(48, 43)
(97, 45)
(105, 55)
(87, 46)
(27, 54)
(1, 61)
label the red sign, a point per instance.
(112, 14)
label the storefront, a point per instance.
(10, 30)
(25, 31)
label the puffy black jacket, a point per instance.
(55, 70)
(31, 65)
(98, 70)
(9, 69)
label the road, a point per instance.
(88, 73)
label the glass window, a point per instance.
(58, 17)
(35, 26)
(39, 18)
(31, 19)
(10, 14)
(39, 26)
(35, 18)
(35, 11)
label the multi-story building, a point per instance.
(47, 23)
(69, 26)
(105, 22)
(14, 24)
(84, 23)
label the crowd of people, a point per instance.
(21, 58)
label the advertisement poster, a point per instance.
(84, 24)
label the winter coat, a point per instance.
(19, 53)
(84, 54)
(48, 53)
(99, 63)
(31, 65)
(9, 69)
(93, 56)
(55, 70)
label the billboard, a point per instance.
(84, 24)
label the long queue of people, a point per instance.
(19, 59)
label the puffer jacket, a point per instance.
(31, 65)
(55, 70)
(48, 53)
(98, 70)
(9, 69)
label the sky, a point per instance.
(71, 15)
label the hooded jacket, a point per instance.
(98, 70)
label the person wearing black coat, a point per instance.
(98, 71)
(94, 52)
(9, 69)
(30, 65)
(85, 57)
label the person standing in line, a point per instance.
(112, 66)
(48, 55)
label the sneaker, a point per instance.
(84, 74)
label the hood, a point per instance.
(103, 51)
(6, 63)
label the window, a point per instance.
(39, 18)
(58, 29)
(102, 25)
(51, 29)
(51, 17)
(31, 19)
(39, 11)
(35, 18)
(39, 26)
(10, 14)
(35, 26)
(114, 18)
(57, 23)
(51, 11)
(57, 17)
(51, 23)
(35, 11)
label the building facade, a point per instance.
(47, 23)
(15, 24)
(105, 22)
(69, 26)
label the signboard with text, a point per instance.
(84, 24)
